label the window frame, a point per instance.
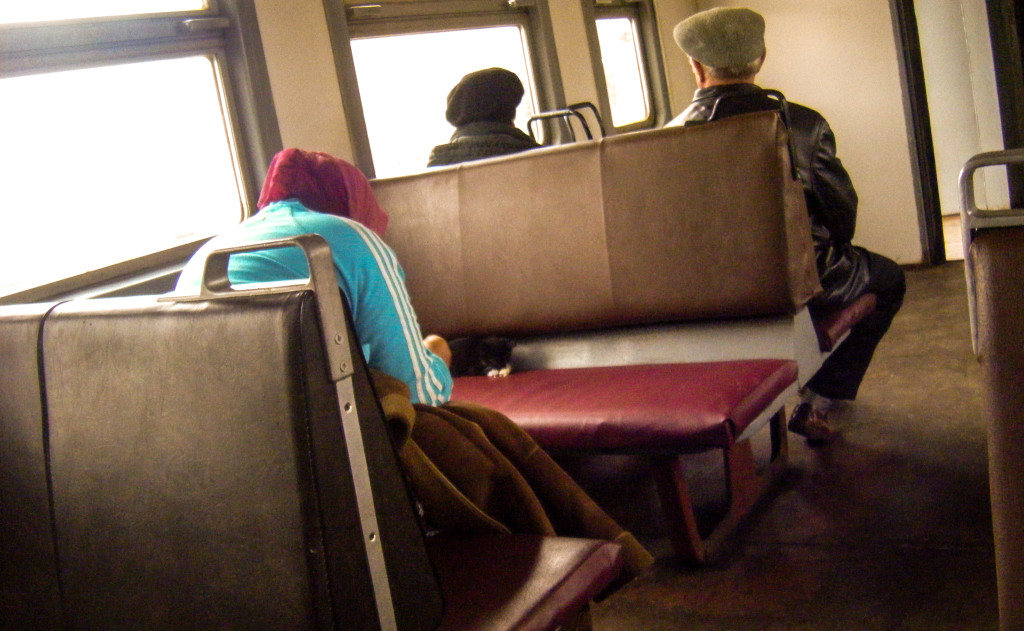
(353, 19)
(227, 30)
(641, 13)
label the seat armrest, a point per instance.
(832, 328)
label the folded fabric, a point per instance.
(472, 469)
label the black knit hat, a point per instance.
(485, 95)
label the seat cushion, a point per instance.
(643, 408)
(519, 582)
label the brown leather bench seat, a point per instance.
(662, 411)
(656, 283)
(580, 251)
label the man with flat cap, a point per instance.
(726, 50)
(482, 108)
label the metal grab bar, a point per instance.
(568, 113)
(973, 219)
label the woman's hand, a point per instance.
(439, 346)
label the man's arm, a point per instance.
(833, 200)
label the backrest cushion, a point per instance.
(667, 225)
(29, 586)
(200, 475)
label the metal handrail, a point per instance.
(973, 219)
(569, 112)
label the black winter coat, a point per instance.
(481, 139)
(831, 198)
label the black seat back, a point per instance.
(221, 461)
(29, 587)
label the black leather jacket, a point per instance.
(831, 198)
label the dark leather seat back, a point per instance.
(199, 471)
(29, 588)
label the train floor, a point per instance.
(889, 528)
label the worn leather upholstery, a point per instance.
(997, 257)
(677, 227)
(659, 408)
(199, 478)
(658, 226)
(541, 582)
(660, 411)
(29, 585)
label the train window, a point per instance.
(623, 70)
(47, 10)
(634, 79)
(407, 55)
(404, 81)
(120, 151)
(121, 161)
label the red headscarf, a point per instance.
(325, 184)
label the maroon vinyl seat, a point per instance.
(660, 410)
(540, 583)
(670, 408)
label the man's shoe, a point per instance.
(812, 424)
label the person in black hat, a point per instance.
(482, 107)
(726, 50)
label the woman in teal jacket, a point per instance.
(310, 192)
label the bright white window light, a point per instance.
(404, 82)
(106, 164)
(14, 11)
(623, 70)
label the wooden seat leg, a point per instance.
(745, 486)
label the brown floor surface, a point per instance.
(887, 529)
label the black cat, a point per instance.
(481, 356)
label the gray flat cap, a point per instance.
(722, 37)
